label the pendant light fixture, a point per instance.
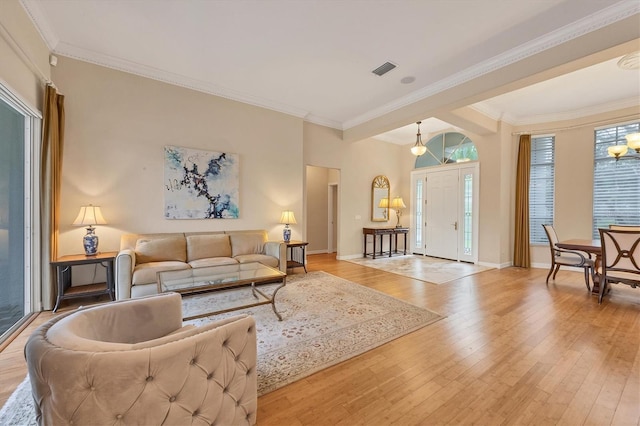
(418, 149)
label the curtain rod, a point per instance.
(15, 46)
(591, 123)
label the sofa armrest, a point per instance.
(125, 262)
(278, 250)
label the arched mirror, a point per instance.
(380, 199)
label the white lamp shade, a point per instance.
(288, 218)
(89, 215)
(617, 150)
(633, 141)
(384, 203)
(398, 203)
(418, 150)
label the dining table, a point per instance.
(593, 247)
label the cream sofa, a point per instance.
(133, 362)
(142, 256)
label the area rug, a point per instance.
(423, 268)
(326, 320)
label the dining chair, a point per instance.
(620, 258)
(562, 257)
(625, 227)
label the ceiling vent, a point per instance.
(383, 69)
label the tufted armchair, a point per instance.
(132, 362)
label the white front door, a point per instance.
(444, 212)
(441, 218)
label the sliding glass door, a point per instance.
(16, 138)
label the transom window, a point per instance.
(450, 147)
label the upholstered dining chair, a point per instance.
(561, 257)
(620, 258)
(132, 362)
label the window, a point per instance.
(616, 184)
(541, 187)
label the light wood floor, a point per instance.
(511, 351)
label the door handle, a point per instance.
(455, 225)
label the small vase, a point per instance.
(90, 242)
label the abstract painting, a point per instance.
(200, 184)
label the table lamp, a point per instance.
(397, 204)
(287, 218)
(90, 215)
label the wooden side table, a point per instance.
(63, 267)
(297, 258)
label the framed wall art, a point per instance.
(200, 184)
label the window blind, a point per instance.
(541, 187)
(616, 184)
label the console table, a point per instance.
(392, 232)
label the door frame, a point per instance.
(332, 204)
(474, 167)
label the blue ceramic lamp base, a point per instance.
(90, 242)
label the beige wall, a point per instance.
(574, 141)
(25, 57)
(496, 157)
(358, 162)
(117, 126)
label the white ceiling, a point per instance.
(313, 58)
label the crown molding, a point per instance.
(515, 120)
(130, 67)
(41, 23)
(607, 16)
(321, 121)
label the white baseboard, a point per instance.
(350, 256)
(496, 265)
(548, 266)
(318, 251)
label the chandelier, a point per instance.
(418, 149)
(619, 151)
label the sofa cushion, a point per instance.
(213, 261)
(247, 243)
(161, 250)
(207, 246)
(147, 272)
(262, 258)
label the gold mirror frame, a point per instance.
(380, 189)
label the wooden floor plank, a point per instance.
(511, 350)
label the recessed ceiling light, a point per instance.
(630, 61)
(408, 79)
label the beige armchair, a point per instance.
(133, 362)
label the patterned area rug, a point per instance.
(423, 268)
(326, 320)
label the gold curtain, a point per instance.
(521, 255)
(51, 181)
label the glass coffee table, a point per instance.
(222, 288)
